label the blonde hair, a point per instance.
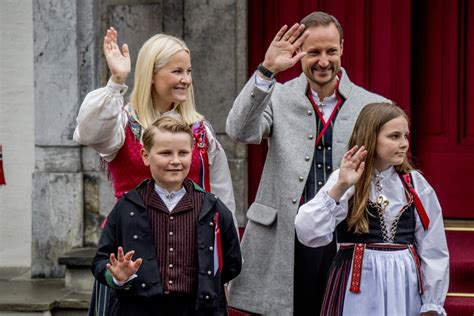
(153, 56)
(165, 124)
(367, 127)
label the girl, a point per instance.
(393, 257)
(162, 86)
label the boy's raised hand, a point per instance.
(118, 60)
(122, 266)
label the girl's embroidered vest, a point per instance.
(127, 169)
(405, 233)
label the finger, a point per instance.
(297, 57)
(120, 254)
(301, 39)
(113, 260)
(290, 32)
(360, 151)
(125, 51)
(361, 167)
(280, 33)
(297, 33)
(129, 255)
(351, 151)
(137, 263)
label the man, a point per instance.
(307, 121)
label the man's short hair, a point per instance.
(320, 18)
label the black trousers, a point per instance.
(162, 305)
(312, 267)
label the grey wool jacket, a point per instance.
(265, 285)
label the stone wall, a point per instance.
(71, 193)
(16, 131)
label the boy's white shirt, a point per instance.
(101, 125)
(317, 220)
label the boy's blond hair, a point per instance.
(165, 124)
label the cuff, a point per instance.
(115, 284)
(263, 84)
(115, 88)
(433, 307)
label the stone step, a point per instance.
(78, 268)
(45, 297)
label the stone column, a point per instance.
(57, 207)
(216, 33)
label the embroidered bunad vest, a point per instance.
(127, 169)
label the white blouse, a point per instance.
(101, 125)
(317, 220)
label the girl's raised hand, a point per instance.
(122, 266)
(118, 60)
(352, 166)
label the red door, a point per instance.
(443, 101)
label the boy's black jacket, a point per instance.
(121, 229)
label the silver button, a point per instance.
(211, 248)
(171, 265)
(211, 223)
(252, 94)
(170, 282)
(328, 167)
(319, 147)
(143, 285)
(132, 214)
(207, 297)
(171, 233)
(320, 183)
(319, 166)
(301, 179)
(294, 201)
(171, 249)
(171, 218)
(310, 136)
(307, 158)
(309, 112)
(135, 237)
(209, 272)
(329, 147)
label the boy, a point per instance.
(176, 244)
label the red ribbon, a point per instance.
(2, 173)
(425, 220)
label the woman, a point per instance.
(163, 86)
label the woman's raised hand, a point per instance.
(118, 60)
(284, 52)
(122, 266)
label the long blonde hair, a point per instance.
(367, 127)
(153, 56)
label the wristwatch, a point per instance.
(265, 71)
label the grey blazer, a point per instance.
(265, 285)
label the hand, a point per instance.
(118, 61)
(283, 52)
(123, 267)
(352, 166)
